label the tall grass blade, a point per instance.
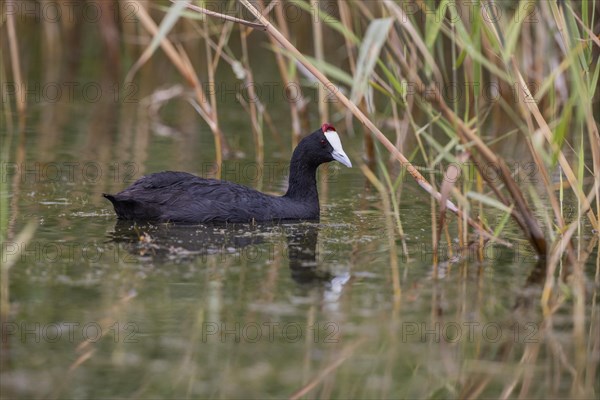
(434, 23)
(368, 55)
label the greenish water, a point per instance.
(254, 311)
(105, 310)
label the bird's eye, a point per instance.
(323, 141)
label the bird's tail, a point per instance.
(109, 197)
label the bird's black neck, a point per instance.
(303, 181)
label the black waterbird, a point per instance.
(181, 197)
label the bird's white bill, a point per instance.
(338, 153)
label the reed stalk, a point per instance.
(16, 64)
(257, 131)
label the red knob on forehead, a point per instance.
(326, 127)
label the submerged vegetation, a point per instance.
(492, 108)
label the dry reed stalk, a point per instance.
(218, 135)
(435, 229)
(224, 17)
(218, 47)
(445, 190)
(257, 131)
(7, 109)
(343, 356)
(320, 57)
(15, 63)
(298, 109)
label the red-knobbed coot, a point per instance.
(185, 198)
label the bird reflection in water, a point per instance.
(165, 242)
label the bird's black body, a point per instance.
(184, 198)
